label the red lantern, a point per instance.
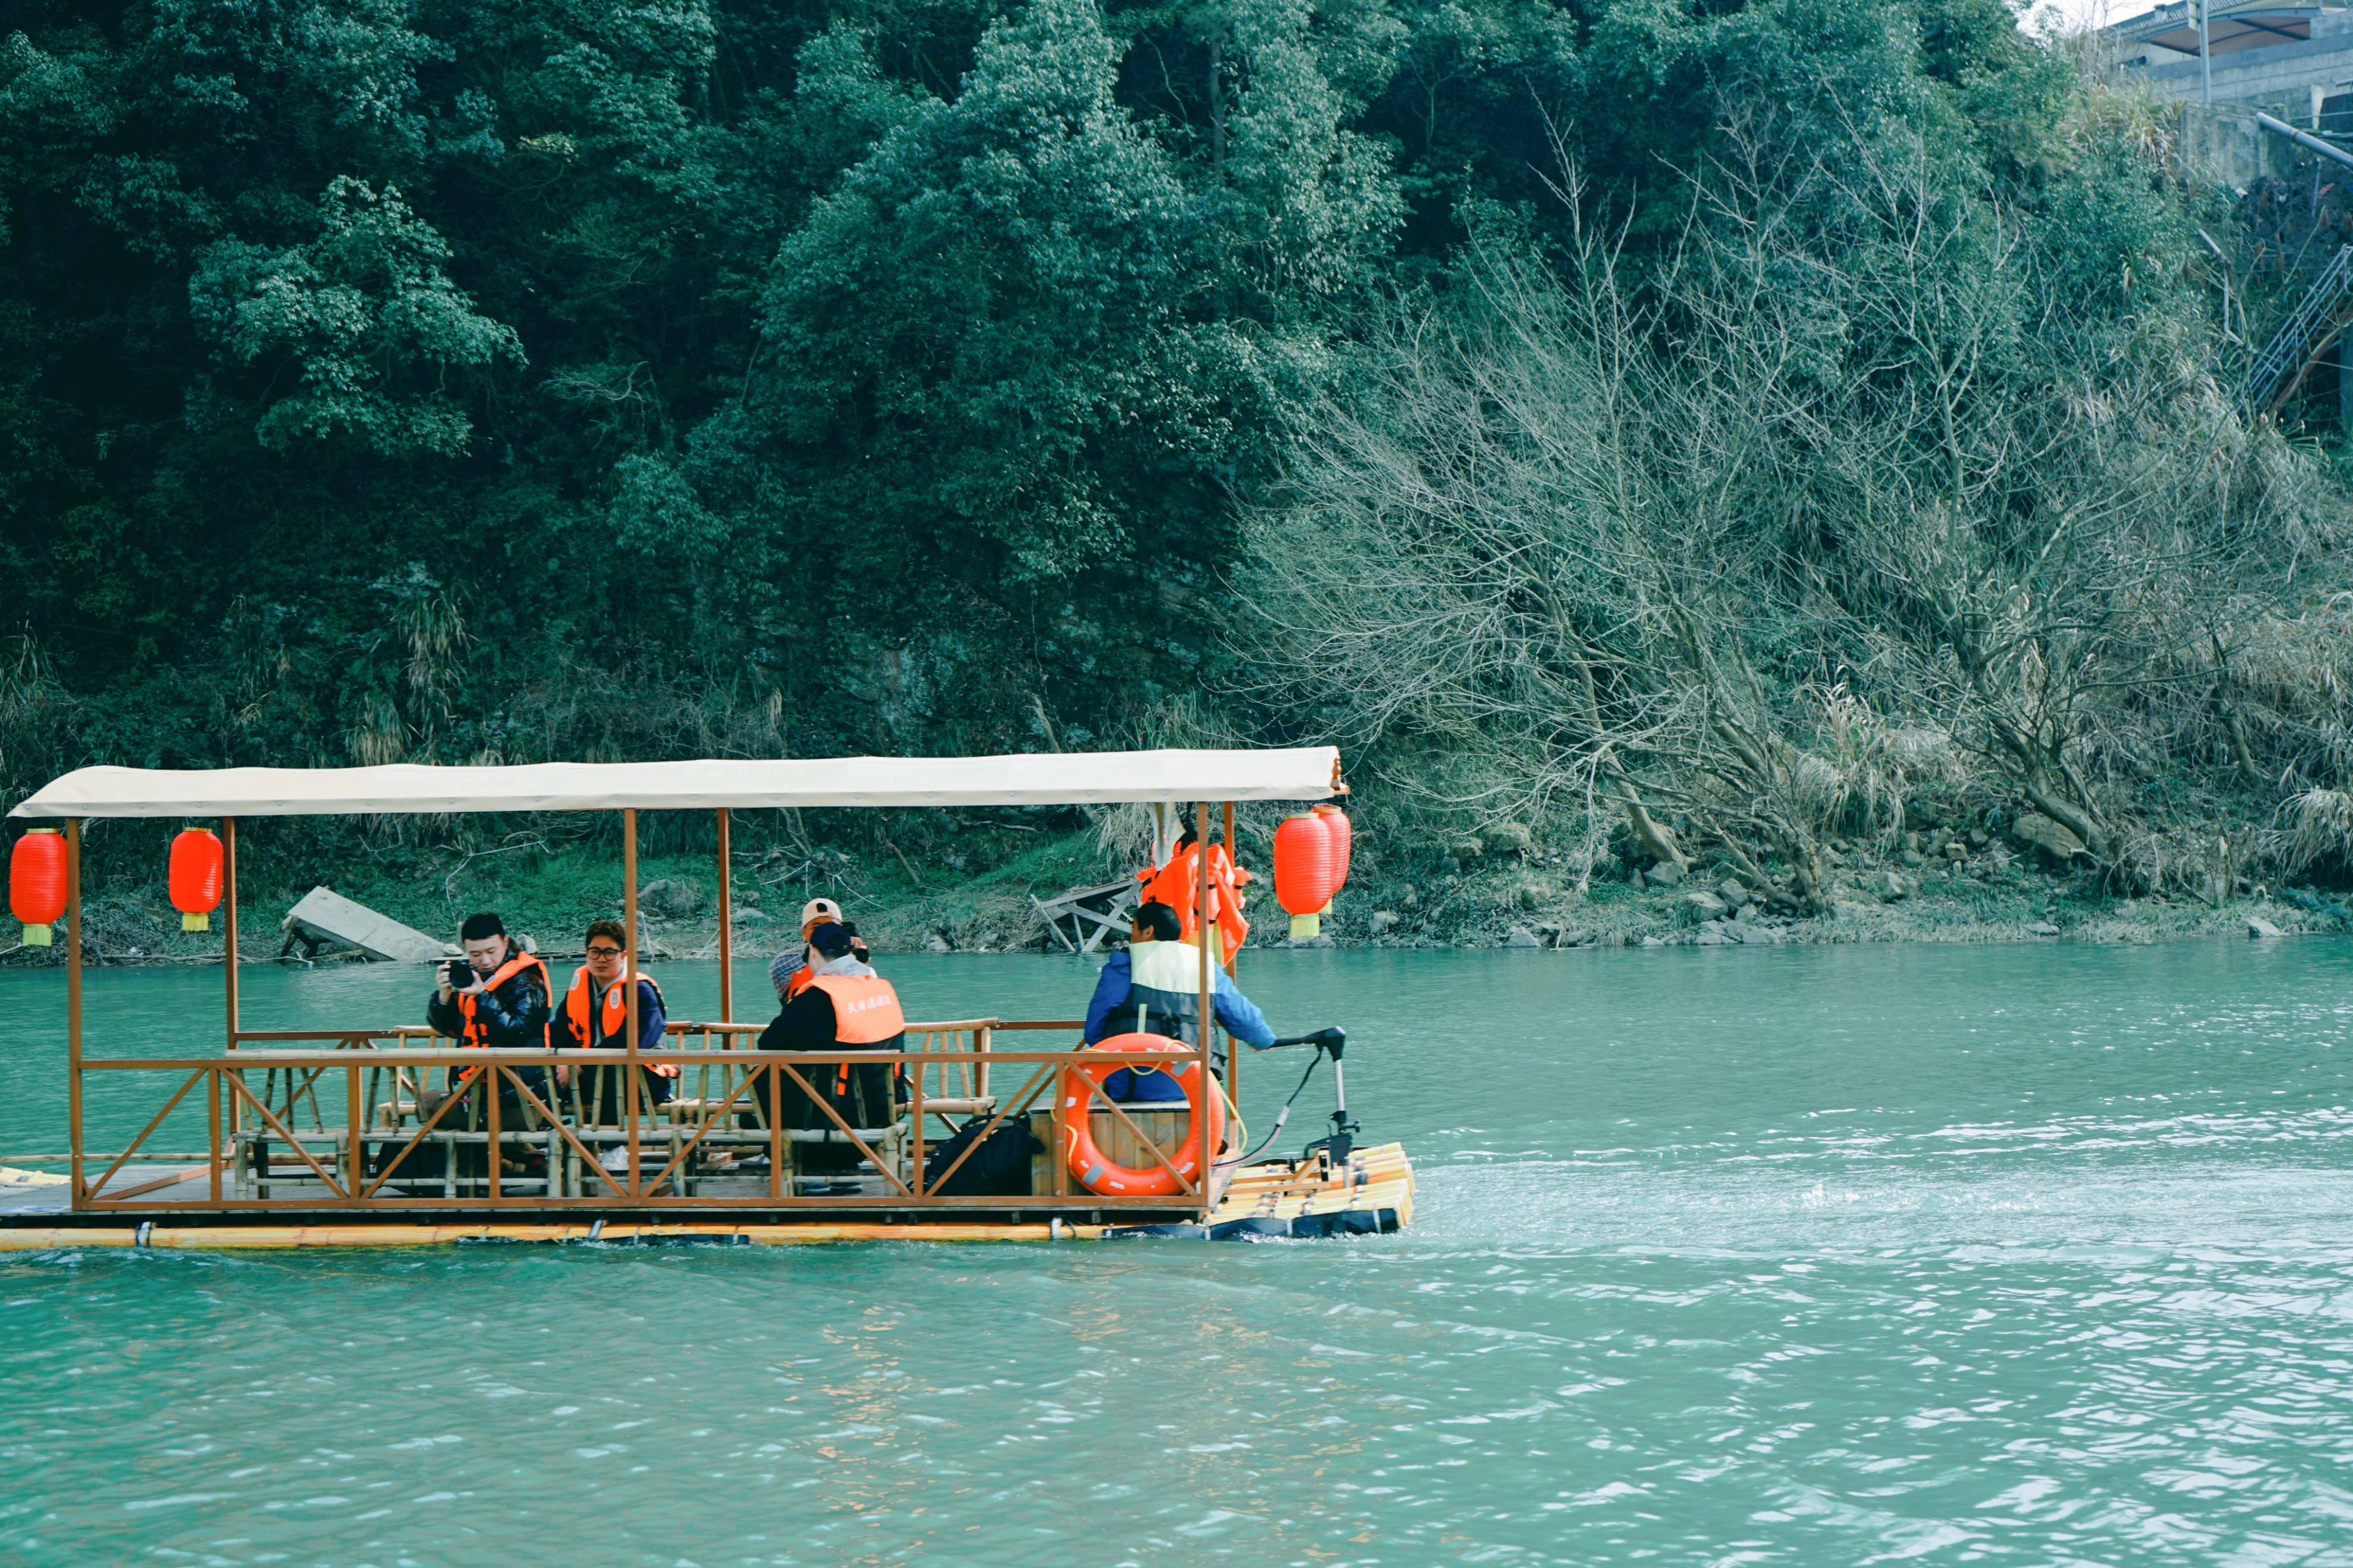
(195, 878)
(1335, 821)
(1306, 871)
(37, 883)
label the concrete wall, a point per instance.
(2225, 146)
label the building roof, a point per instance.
(1308, 773)
(2252, 24)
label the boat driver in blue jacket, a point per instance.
(1154, 989)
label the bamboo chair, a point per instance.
(721, 1072)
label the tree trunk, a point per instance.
(1654, 835)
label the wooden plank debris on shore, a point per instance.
(1080, 919)
(324, 918)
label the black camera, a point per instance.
(457, 974)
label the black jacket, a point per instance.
(863, 1096)
(514, 1017)
(806, 1024)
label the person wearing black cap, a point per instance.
(845, 1005)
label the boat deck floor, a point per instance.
(1372, 1194)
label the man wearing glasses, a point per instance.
(595, 1016)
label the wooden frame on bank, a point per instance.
(349, 1180)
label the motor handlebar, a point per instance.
(1334, 1040)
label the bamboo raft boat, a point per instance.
(332, 1138)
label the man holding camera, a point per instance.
(496, 998)
(815, 913)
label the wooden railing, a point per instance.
(721, 1142)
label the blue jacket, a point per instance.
(1235, 1012)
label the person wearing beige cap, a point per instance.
(815, 913)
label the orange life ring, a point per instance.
(1088, 1164)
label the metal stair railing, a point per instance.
(2303, 337)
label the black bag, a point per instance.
(999, 1168)
(422, 1166)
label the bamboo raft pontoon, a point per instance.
(1278, 1198)
(329, 1139)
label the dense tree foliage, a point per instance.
(405, 378)
(411, 379)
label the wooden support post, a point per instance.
(776, 1128)
(1208, 1018)
(493, 1084)
(915, 1170)
(1233, 962)
(73, 1003)
(228, 927)
(629, 919)
(213, 1121)
(1233, 858)
(726, 931)
(228, 967)
(355, 1168)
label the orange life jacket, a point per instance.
(613, 1016)
(473, 1032)
(865, 1013)
(1173, 885)
(865, 1009)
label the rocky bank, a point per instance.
(1503, 888)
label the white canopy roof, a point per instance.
(1061, 778)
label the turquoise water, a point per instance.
(2039, 1255)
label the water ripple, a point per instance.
(1804, 1258)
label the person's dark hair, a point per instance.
(831, 940)
(614, 929)
(1160, 920)
(481, 927)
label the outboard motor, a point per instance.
(1342, 1140)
